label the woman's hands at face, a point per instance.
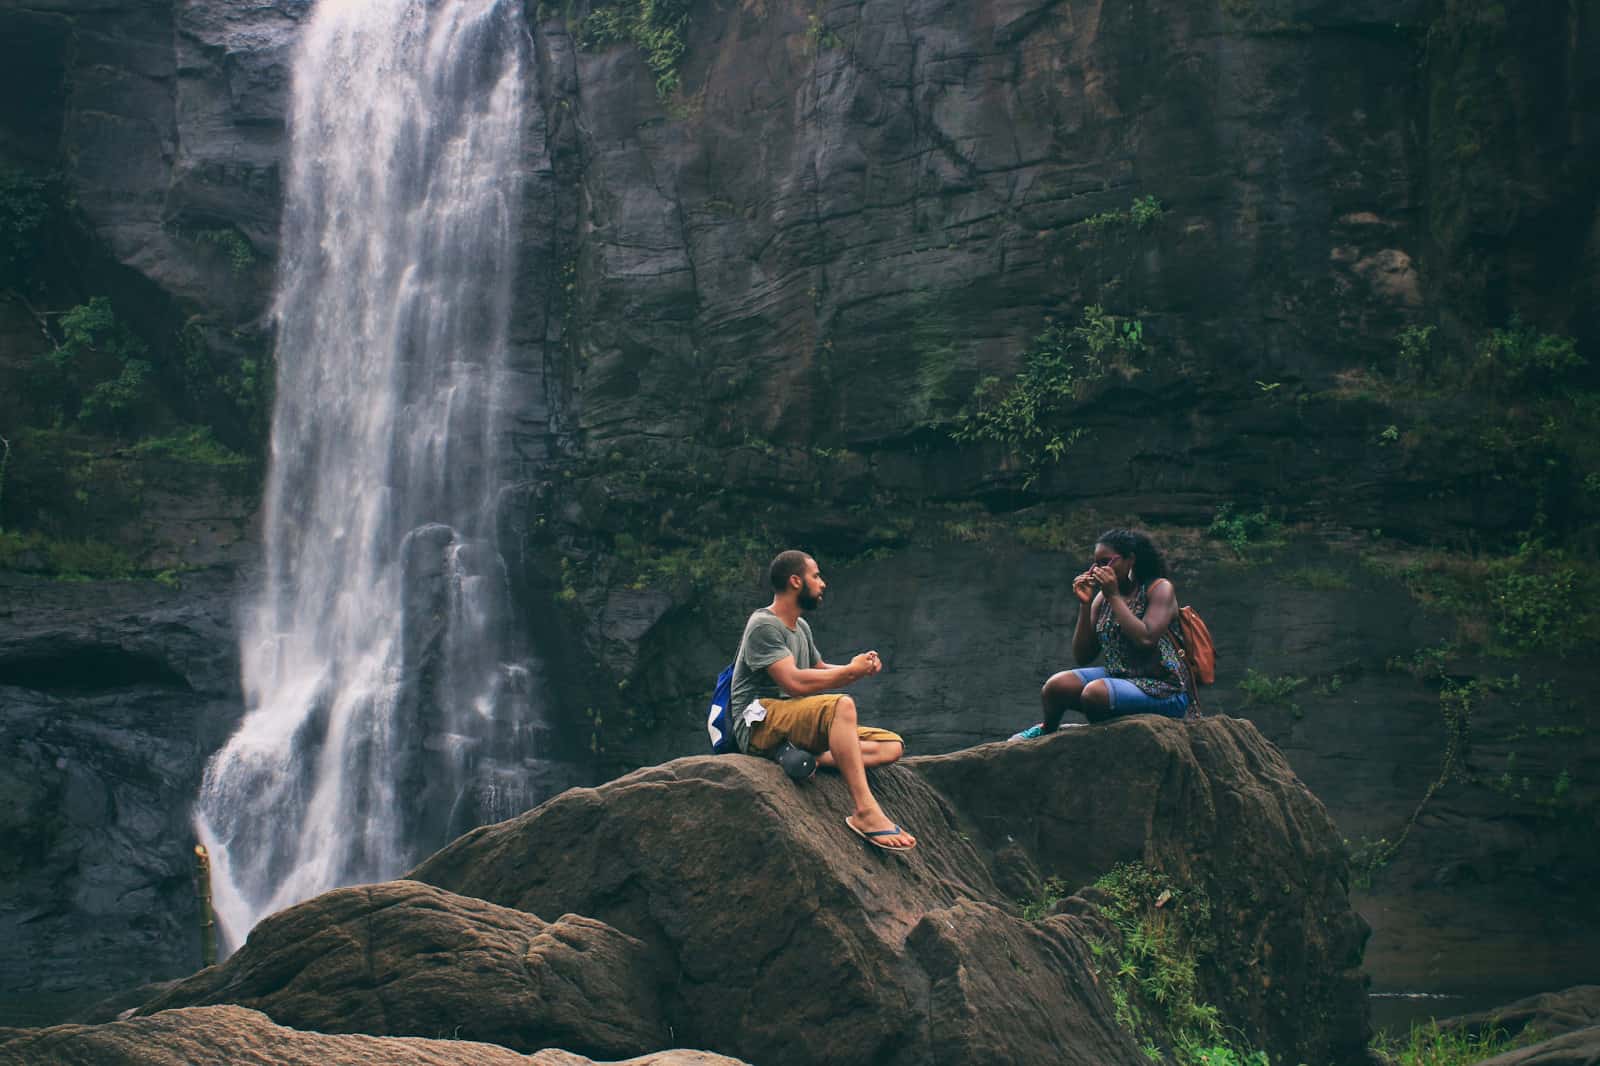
(1083, 587)
(1105, 578)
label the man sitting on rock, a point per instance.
(780, 693)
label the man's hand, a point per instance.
(866, 664)
(1083, 588)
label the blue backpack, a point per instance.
(719, 720)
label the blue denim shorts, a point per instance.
(1126, 697)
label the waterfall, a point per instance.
(386, 707)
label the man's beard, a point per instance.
(809, 602)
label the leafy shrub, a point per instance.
(241, 255)
(1141, 213)
(1145, 210)
(1053, 891)
(1416, 346)
(655, 27)
(1244, 530)
(97, 375)
(1030, 417)
(1538, 600)
(1265, 690)
(1520, 354)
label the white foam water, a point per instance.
(375, 663)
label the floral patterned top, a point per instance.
(1159, 672)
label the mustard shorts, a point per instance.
(805, 723)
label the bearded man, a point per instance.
(781, 692)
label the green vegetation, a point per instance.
(97, 375)
(66, 559)
(1416, 348)
(241, 255)
(194, 445)
(1519, 356)
(818, 37)
(655, 27)
(1248, 533)
(1150, 969)
(1264, 690)
(1429, 1045)
(1053, 891)
(1030, 417)
(242, 382)
(1143, 212)
(1537, 599)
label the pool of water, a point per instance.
(1396, 1012)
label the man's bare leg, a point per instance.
(873, 753)
(844, 745)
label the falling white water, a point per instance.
(378, 684)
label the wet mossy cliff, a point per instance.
(935, 290)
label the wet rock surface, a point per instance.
(110, 709)
(406, 959)
(249, 1038)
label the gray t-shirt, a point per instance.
(766, 641)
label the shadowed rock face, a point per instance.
(404, 959)
(248, 1038)
(109, 711)
(751, 889)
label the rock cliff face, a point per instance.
(751, 313)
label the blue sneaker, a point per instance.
(1033, 732)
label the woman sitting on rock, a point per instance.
(1127, 613)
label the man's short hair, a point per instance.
(785, 565)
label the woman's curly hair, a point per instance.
(1148, 562)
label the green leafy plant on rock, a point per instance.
(97, 375)
(1246, 532)
(1052, 892)
(1264, 690)
(1031, 415)
(655, 27)
(1519, 354)
(1143, 212)
(1149, 968)
(241, 254)
(818, 37)
(1415, 344)
(193, 445)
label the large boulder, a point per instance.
(1578, 1048)
(244, 1037)
(407, 959)
(1545, 1015)
(787, 940)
